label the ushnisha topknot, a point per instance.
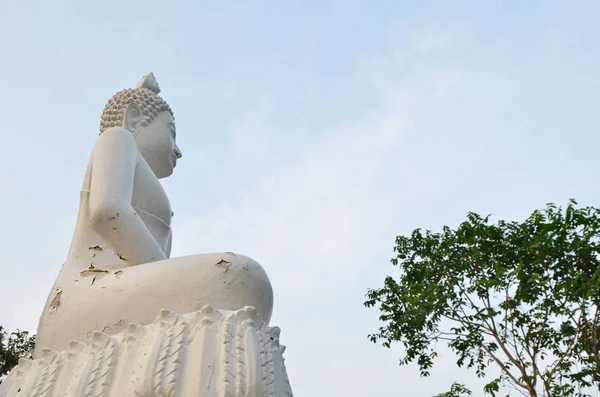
(144, 95)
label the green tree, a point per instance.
(13, 346)
(524, 297)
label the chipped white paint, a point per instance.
(118, 270)
(209, 353)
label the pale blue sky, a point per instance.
(312, 135)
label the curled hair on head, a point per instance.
(145, 96)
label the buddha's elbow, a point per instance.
(105, 216)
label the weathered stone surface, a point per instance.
(99, 334)
(209, 353)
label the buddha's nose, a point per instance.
(178, 153)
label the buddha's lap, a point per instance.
(108, 301)
(184, 284)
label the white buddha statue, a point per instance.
(118, 270)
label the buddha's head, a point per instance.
(150, 119)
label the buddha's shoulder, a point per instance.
(116, 136)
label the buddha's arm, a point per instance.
(115, 159)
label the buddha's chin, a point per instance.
(164, 172)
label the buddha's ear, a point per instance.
(133, 115)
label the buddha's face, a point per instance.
(156, 143)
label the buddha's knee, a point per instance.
(238, 281)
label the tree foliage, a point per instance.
(523, 297)
(13, 346)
